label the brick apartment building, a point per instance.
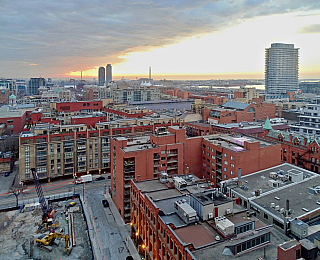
(173, 222)
(296, 149)
(67, 150)
(213, 158)
(236, 112)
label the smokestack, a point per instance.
(239, 174)
(287, 205)
(149, 72)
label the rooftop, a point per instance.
(260, 180)
(230, 142)
(210, 197)
(221, 249)
(235, 105)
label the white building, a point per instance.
(281, 68)
(309, 121)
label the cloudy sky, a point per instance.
(177, 38)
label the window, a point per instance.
(225, 155)
(213, 150)
(225, 169)
(208, 154)
(208, 147)
(27, 149)
(163, 152)
(213, 157)
(27, 164)
(232, 158)
(232, 165)
(225, 162)
(225, 176)
(213, 164)
(232, 172)
(10, 121)
(27, 159)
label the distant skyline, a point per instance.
(178, 39)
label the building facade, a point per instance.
(101, 76)
(108, 73)
(35, 84)
(281, 68)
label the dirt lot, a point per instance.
(20, 229)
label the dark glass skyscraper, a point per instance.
(35, 84)
(109, 73)
(101, 76)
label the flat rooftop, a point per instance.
(209, 197)
(221, 250)
(230, 142)
(198, 235)
(260, 180)
(300, 200)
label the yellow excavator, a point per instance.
(46, 241)
(47, 226)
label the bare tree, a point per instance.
(16, 189)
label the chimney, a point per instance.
(239, 174)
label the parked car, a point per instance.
(105, 203)
(109, 177)
(101, 178)
(6, 174)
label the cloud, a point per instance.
(79, 34)
(312, 28)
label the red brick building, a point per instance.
(236, 112)
(213, 158)
(86, 106)
(14, 120)
(298, 150)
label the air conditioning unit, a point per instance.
(228, 211)
(277, 207)
(210, 215)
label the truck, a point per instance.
(84, 178)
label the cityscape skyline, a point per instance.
(223, 39)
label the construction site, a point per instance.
(45, 229)
(64, 237)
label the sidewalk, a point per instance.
(124, 227)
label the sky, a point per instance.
(179, 39)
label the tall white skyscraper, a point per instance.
(109, 73)
(281, 68)
(101, 76)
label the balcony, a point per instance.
(156, 157)
(172, 161)
(128, 170)
(128, 178)
(156, 165)
(127, 163)
(173, 167)
(172, 154)
(81, 147)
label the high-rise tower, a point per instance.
(149, 72)
(35, 84)
(109, 73)
(281, 68)
(101, 76)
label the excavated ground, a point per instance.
(20, 229)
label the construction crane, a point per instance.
(46, 241)
(47, 213)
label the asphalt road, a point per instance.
(110, 235)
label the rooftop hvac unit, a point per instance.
(277, 207)
(281, 210)
(272, 205)
(228, 211)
